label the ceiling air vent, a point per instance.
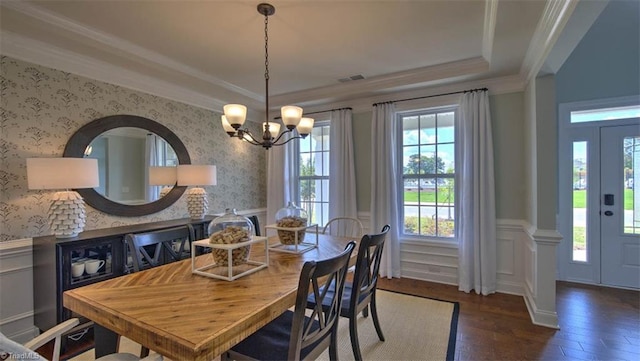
(353, 77)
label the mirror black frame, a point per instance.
(81, 139)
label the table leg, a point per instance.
(106, 341)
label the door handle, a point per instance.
(608, 213)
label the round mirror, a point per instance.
(129, 149)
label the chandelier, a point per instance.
(236, 114)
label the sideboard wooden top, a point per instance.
(122, 230)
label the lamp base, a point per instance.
(67, 215)
(197, 203)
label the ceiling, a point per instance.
(212, 52)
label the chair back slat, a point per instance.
(152, 249)
(344, 227)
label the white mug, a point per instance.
(77, 269)
(92, 266)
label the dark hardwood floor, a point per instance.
(596, 323)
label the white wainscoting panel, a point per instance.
(438, 261)
(16, 290)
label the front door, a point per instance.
(620, 206)
(599, 202)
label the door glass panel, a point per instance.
(596, 115)
(631, 156)
(580, 244)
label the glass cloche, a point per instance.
(291, 216)
(231, 228)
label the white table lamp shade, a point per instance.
(197, 175)
(67, 215)
(163, 176)
(62, 173)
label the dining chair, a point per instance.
(9, 347)
(360, 293)
(151, 249)
(344, 227)
(256, 224)
(294, 335)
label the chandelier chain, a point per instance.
(266, 47)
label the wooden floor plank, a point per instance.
(597, 323)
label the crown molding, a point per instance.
(554, 17)
(40, 53)
(490, 16)
(399, 79)
(122, 45)
(496, 86)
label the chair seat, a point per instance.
(271, 342)
(346, 297)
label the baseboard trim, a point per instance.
(539, 317)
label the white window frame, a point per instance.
(298, 177)
(416, 106)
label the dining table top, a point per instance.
(185, 316)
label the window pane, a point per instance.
(325, 163)
(596, 115)
(446, 127)
(427, 161)
(580, 243)
(410, 130)
(411, 220)
(631, 158)
(428, 129)
(447, 155)
(428, 221)
(411, 160)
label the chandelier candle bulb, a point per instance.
(291, 115)
(274, 128)
(305, 126)
(236, 114)
(226, 126)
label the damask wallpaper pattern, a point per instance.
(40, 108)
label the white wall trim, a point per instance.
(489, 30)
(499, 85)
(16, 296)
(15, 318)
(122, 45)
(540, 317)
(540, 279)
(44, 54)
(554, 17)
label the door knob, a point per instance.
(608, 213)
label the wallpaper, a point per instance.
(40, 108)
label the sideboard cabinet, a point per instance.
(52, 259)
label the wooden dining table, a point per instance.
(185, 316)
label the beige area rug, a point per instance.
(415, 328)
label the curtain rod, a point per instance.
(321, 111)
(433, 96)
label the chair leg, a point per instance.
(374, 316)
(144, 352)
(333, 346)
(365, 311)
(353, 334)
